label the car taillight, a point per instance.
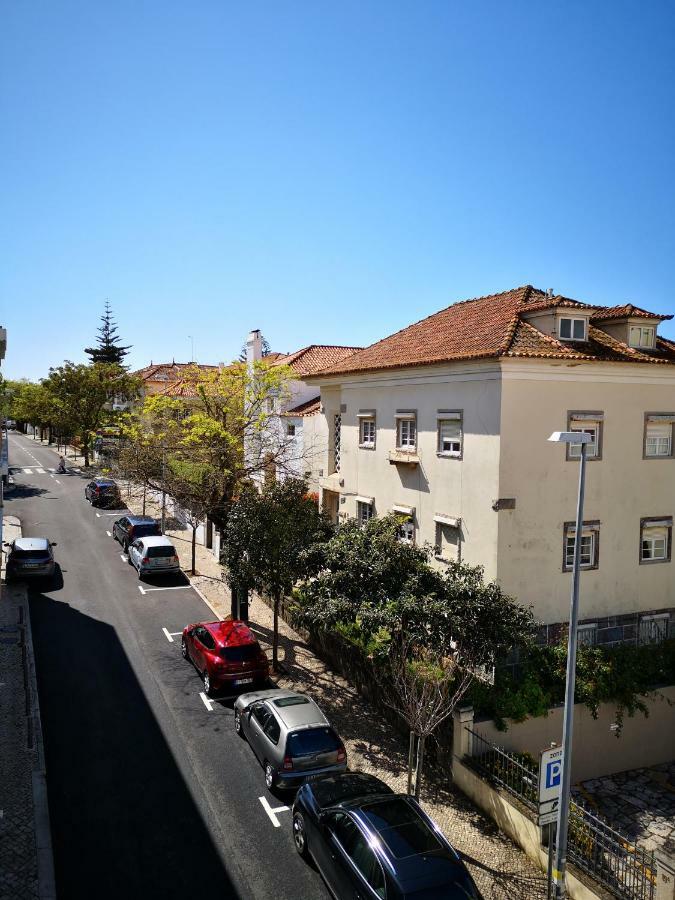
(145, 559)
(97, 490)
(342, 754)
(288, 762)
(174, 559)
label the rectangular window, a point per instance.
(590, 423)
(658, 436)
(653, 629)
(290, 430)
(655, 540)
(406, 432)
(367, 432)
(449, 434)
(364, 512)
(406, 531)
(448, 542)
(590, 543)
(640, 336)
(587, 634)
(572, 329)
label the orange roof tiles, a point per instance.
(627, 311)
(313, 358)
(489, 327)
(308, 408)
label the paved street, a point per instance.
(151, 793)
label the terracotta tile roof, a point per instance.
(168, 371)
(627, 311)
(313, 358)
(308, 408)
(491, 327)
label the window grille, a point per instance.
(653, 629)
(336, 440)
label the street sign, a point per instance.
(548, 818)
(550, 770)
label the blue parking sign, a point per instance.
(550, 772)
(553, 770)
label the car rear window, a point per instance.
(146, 530)
(154, 552)
(107, 486)
(312, 740)
(31, 554)
(244, 653)
(290, 701)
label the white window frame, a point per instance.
(454, 418)
(438, 549)
(406, 424)
(592, 428)
(406, 532)
(573, 320)
(661, 437)
(590, 534)
(364, 512)
(367, 423)
(653, 532)
(646, 336)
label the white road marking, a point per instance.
(109, 533)
(141, 589)
(27, 471)
(180, 587)
(170, 635)
(205, 700)
(98, 515)
(271, 812)
(124, 557)
(51, 476)
(57, 481)
(40, 472)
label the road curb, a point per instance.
(43, 834)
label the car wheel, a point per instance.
(270, 777)
(125, 546)
(237, 723)
(300, 835)
(208, 690)
(183, 648)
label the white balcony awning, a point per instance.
(368, 500)
(404, 510)
(452, 521)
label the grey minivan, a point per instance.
(30, 557)
(290, 736)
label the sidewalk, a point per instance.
(26, 866)
(501, 870)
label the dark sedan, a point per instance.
(103, 492)
(368, 841)
(127, 529)
(30, 558)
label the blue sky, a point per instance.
(325, 172)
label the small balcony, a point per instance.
(404, 457)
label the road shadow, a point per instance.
(20, 491)
(123, 819)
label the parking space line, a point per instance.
(109, 533)
(141, 589)
(51, 476)
(170, 635)
(124, 557)
(178, 587)
(271, 812)
(57, 481)
(205, 700)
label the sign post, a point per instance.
(550, 771)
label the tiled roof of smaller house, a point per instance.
(168, 371)
(308, 408)
(314, 358)
(492, 327)
(627, 311)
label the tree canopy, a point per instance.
(109, 349)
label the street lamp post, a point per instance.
(574, 439)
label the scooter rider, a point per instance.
(62, 466)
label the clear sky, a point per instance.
(326, 172)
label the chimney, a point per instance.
(253, 347)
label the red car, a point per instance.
(226, 654)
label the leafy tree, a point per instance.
(34, 404)
(189, 485)
(82, 396)
(109, 349)
(272, 540)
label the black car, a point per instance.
(368, 841)
(103, 492)
(128, 528)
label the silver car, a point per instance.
(290, 736)
(30, 558)
(153, 555)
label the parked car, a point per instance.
(368, 841)
(290, 736)
(103, 492)
(226, 654)
(153, 556)
(10, 423)
(128, 528)
(30, 558)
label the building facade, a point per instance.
(446, 424)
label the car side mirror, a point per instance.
(53, 544)
(5, 544)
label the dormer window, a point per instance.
(572, 329)
(641, 336)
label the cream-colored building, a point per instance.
(446, 423)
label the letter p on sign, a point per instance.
(553, 769)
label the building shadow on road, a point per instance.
(123, 818)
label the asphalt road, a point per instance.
(151, 793)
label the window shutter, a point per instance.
(450, 430)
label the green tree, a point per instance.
(34, 404)
(273, 540)
(83, 396)
(109, 350)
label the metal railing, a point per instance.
(509, 770)
(627, 871)
(595, 847)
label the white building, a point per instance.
(446, 423)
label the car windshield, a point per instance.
(290, 701)
(244, 653)
(153, 552)
(312, 740)
(31, 554)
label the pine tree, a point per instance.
(108, 350)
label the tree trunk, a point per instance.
(144, 490)
(411, 758)
(275, 639)
(420, 764)
(194, 547)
